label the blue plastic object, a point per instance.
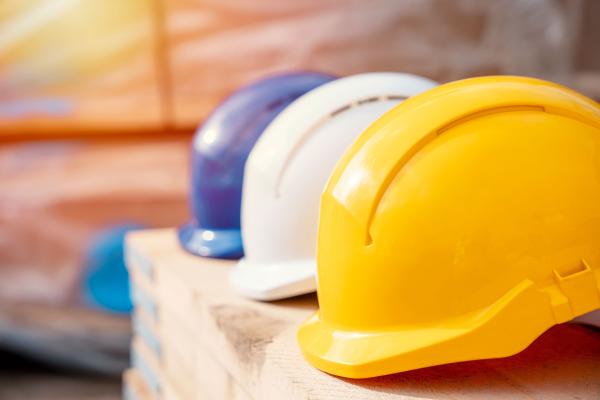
(220, 149)
(106, 281)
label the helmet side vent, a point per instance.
(465, 118)
(578, 291)
(319, 123)
(425, 139)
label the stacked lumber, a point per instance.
(194, 338)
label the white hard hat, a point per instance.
(287, 171)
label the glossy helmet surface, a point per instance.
(220, 149)
(287, 171)
(461, 225)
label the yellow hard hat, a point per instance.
(461, 225)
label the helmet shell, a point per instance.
(219, 152)
(287, 171)
(465, 213)
(106, 280)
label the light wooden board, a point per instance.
(135, 387)
(175, 357)
(213, 380)
(162, 339)
(154, 376)
(255, 344)
(170, 345)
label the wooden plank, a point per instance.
(191, 368)
(143, 299)
(150, 369)
(135, 388)
(192, 364)
(158, 326)
(146, 363)
(255, 343)
(178, 361)
(214, 382)
(145, 328)
(170, 359)
(140, 260)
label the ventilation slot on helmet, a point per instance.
(568, 271)
(368, 100)
(427, 138)
(580, 287)
(309, 132)
(491, 111)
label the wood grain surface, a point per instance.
(255, 344)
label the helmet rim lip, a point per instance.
(212, 243)
(390, 361)
(274, 280)
(365, 352)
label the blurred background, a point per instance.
(98, 103)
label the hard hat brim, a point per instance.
(214, 243)
(274, 281)
(483, 334)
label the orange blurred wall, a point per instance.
(73, 65)
(122, 66)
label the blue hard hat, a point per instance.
(220, 149)
(105, 280)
